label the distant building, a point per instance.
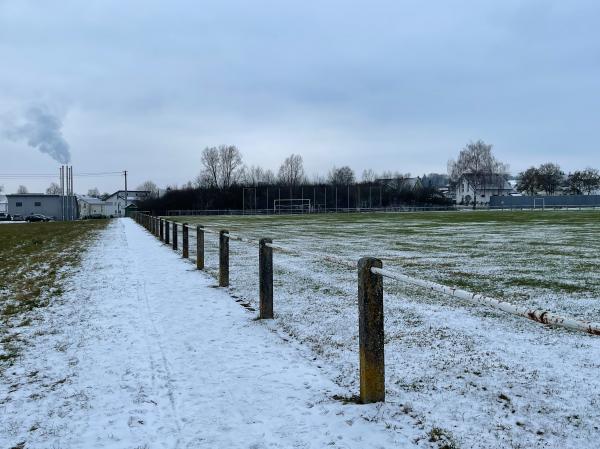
(467, 192)
(3, 204)
(54, 206)
(121, 202)
(92, 207)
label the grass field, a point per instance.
(35, 259)
(464, 370)
(543, 258)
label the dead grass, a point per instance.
(35, 259)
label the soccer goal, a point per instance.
(292, 206)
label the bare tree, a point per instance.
(209, 176)
(550, 177)
(253, 176)
(22, 190)
(53, 189)
(291, 172)
(368, 175)
(94, 192)
(151, 187)
(269, 177)
(341, 176)
(221, 167)
(230, 164)
(477, 163)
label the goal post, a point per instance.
(292, 206)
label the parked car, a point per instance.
(37, 217)
(5, 217)
(17, 217)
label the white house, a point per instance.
(3, 204)
(120, 201)
(469, 191)
(90, 207)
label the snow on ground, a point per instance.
(142, 352)
(490, 379)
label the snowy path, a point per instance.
(143, 353)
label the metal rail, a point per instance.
(538, 315)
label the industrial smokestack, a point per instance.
(41, 129)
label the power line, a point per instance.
(54, 175)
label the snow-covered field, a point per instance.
(486, 378)
(141, 352)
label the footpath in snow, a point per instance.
(143, 352)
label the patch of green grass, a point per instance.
(442, 438)
(34, 261)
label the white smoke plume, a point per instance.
(41, 129)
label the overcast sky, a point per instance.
(388, 85)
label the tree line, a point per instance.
(549, 178)
(225, 182)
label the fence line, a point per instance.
(370, 273)
(406, 208)
(540, 316)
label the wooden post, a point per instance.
(161, 229)
(223, 258)
(200, 247)
(175, 236)
(167, 231)
(185, 249)
(370, 331)
(265, 279)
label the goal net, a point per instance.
(291, 206)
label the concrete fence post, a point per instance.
(370, 331)
(185, 241)
(265, 279)
(175, 236)
(167, 231)
(200, 247)
(161, 232)
(223, 258)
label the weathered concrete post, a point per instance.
(167, 232)
(175, 236)
(200, 247)
(186, 242)
(370, 331)
(223, 258)
(265, 279)
(161, 229)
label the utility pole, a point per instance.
(126, 194)
(62, 192)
